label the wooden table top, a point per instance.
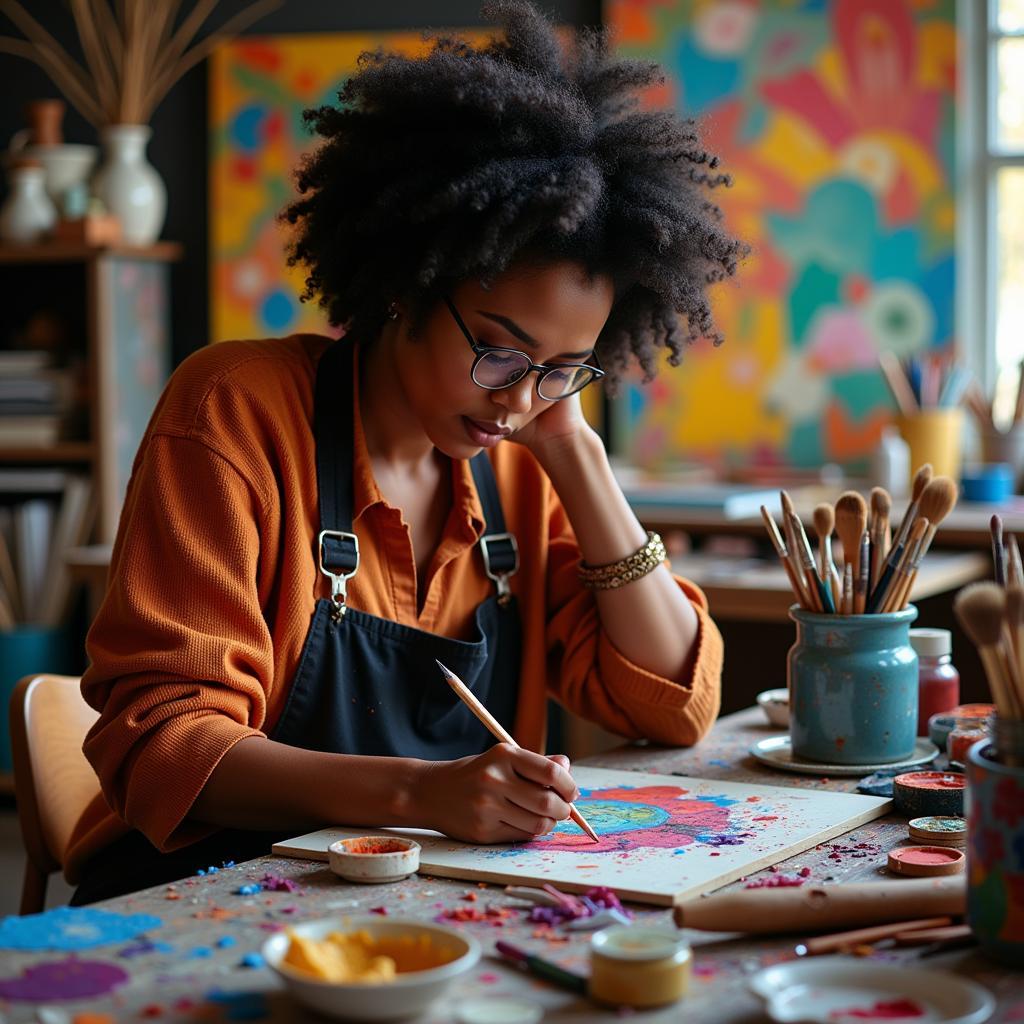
(208, 928)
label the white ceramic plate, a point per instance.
(776, 752)
(841, 990)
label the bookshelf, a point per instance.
(116, 303)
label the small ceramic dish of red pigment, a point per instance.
(926, 861)
(374, 859)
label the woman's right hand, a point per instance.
(504, 795)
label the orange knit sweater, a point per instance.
(213, 584)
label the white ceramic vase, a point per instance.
(27, 213)
(129, 185)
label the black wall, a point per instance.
(178, 149)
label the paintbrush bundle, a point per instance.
(984, 410)
(879, 566)
(929, 382)
(992, 616)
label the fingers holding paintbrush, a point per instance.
(498, 731)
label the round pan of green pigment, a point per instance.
(926, 861)
(939, 831)
(941, 794)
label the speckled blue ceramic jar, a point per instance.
(852, 687)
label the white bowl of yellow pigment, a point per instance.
(369, 968)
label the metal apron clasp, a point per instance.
(500, 577)
(339, 581)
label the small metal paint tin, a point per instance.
(939, 831)
(926, 861)
(853, 688)
(633, 965)
(940, 794)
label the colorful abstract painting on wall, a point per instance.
(836, 120)
(259, 87)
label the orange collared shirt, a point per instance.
(213, 584)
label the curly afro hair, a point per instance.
(458, 164)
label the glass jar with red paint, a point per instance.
(938, 682)
(966, 732)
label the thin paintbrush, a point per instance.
(803, 550)
(881, 505)
(781, 550)
(542, 968)
(879, 591)
(906, 568)
(998, 551)
(824, 524)
(498, 731)
(937, 501)
(851, 520)
(922, 478)
(860, 587)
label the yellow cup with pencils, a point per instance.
(935, 436)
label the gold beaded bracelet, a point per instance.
(633, 567)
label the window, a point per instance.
(1003, 216)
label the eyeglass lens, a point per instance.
(501, 369)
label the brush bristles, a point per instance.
(938, 499)
(824, 519)
(979, 608)
(851, 503)
(921, 480)
(881, 503)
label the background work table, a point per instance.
(195, 969)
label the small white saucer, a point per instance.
(828, 989)
(776, 752)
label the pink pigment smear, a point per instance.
(687, 820)
(894, 1009)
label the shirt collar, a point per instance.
(366, 493)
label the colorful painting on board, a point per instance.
(663, 838)
(836, 120)
(259, 87)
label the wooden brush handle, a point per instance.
(817, 907)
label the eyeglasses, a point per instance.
(498, 368)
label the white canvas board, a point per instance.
(664, 838)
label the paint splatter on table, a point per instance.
(202, 963)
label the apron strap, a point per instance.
(337, 545)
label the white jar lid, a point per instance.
(932, 643)
(637, 942)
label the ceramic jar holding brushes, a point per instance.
(852, 672)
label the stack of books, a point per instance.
(34, 399)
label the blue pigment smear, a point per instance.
(718, 801)
(253, 960)
(240, 1005)
(71, 928)
(680, 850)
(721, 764)
(227, 942)
(249, 890)
(201, 952)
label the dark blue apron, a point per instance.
(364, 685)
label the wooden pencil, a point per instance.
(497, 730)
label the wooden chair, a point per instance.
(53, 782)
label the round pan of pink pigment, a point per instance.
(926, 861)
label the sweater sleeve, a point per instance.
(181, 658)
(594, 680)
